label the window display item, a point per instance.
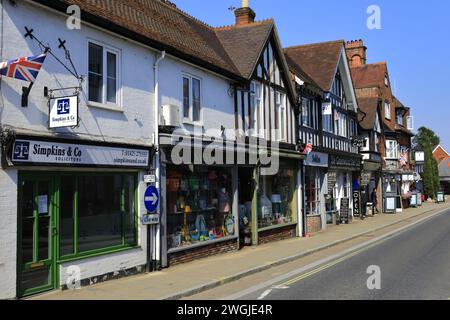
(266, 207)
(224, 201)
(229, 224)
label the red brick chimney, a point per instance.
(244, 15)
(356, 53)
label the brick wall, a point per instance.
(202, 252)
(313, 224)
(277, 234)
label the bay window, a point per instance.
(391, 150)
(387, 110)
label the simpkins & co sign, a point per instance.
(55, 153)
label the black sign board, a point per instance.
(356, 203)
(344, 212)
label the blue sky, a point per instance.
(414, 39)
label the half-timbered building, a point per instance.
(327, 126)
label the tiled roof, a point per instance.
(297, 69)
(231, 50)
(319, 61)
(244, 44)
(444, 169)
(369, 109)
(369, 75)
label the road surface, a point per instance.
(415, 264)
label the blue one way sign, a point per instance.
(151, 199)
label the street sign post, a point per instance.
(151, 199)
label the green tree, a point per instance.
(426, 140)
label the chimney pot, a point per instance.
(244, 15)
(356, 53)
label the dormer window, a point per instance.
(400, 121)
(387, 110)
(386, 81)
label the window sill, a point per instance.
(109, 107)
(192, 123)
(278, 226)
(201, 244)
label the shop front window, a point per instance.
(312, 192)
(97, 212)
(199, 205)
(276, 200)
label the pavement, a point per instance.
(203, 275)
(412, 265)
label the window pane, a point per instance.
(112, 77)
(204, 217)
(129, 217)
(27, 240)
(95, 59)
(186, 98)
(66, 216)
(44, 236)
(196, 99)
(95, 87)
(95, 73)
(99, 214)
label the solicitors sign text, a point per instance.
(56, 153)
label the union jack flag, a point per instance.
(308, 149)
(26, 69)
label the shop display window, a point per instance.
(312, 191)
(276, 198)
(97, 212)
(199, 205)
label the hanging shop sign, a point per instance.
(366, 177)
(53, 153)
(344, 214)
(345, 163)
(317, 159)
(332, 180)
(63, 112)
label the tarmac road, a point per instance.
(413, 265)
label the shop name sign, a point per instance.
(56, 153)
(344, 162)
(317, 159)
(63, 112)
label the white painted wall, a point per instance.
(133, 125)
(217, 106)
(8, 233)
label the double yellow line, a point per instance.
(324, 267)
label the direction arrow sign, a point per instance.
(151, 199)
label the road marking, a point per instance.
(325, 267)
(330, 259)
(265, 294)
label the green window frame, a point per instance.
(77, 254)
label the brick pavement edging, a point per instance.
(216, 283)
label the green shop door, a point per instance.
(36, 236)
